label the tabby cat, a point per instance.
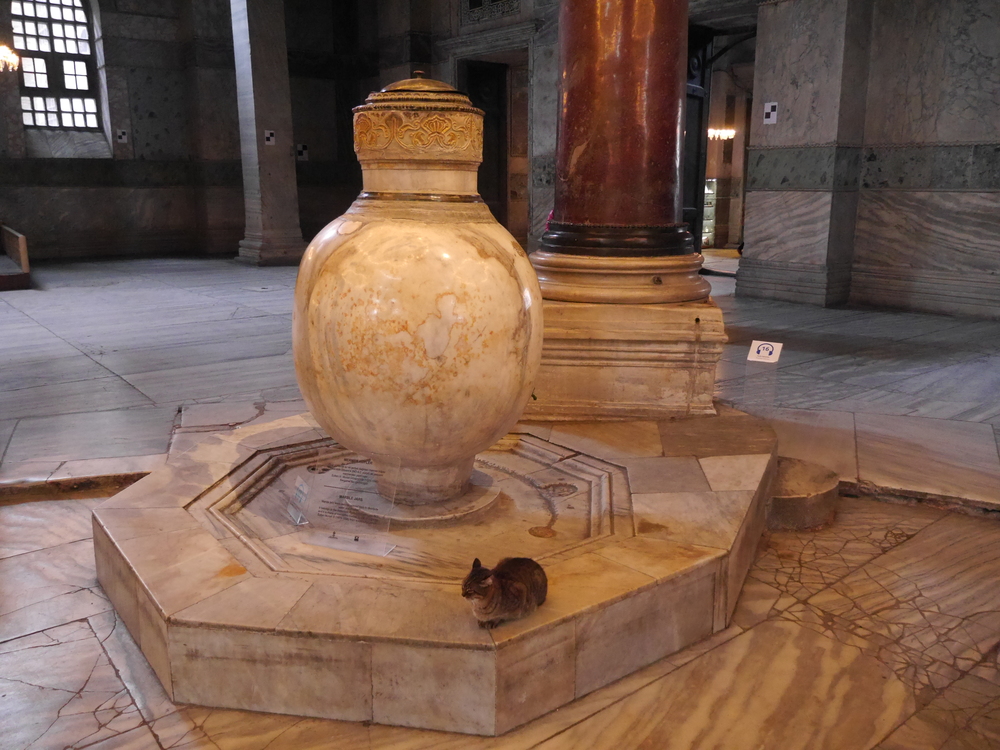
(513, 589)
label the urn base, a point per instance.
(423, 485)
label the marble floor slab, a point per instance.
(942, 457)
(829, 643)
(104, 434)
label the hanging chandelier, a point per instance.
(8, 59)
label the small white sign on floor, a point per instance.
(764, 351)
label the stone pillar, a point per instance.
(273, 235)
(630, 331)
(805, 158)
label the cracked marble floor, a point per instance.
(880, 632)
(99, 359)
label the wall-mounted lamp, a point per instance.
(721, 135)
(8, 60)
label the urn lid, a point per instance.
(419, 119)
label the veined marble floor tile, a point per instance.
(893, 326)
(132, 667)
(979, 335)
(103, 434)
(957, 459)
(825, 694)
(783, 390)
(930, 608)
(58, 689)
(138, 339)
(99, 394)
(27, 527)
(823, 437)
(978, 380)
(49, 613)
(238, 376)
(129, 361)
(36, 576)
(880, 366)
(966, 716)
(18, 373)
(802, 563)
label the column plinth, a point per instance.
(630, 330)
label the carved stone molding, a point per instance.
(387, 135)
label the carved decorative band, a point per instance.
(401, 134)
(621, 241)
(432, 197)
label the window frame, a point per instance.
(55, 71)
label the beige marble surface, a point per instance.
(736, 697)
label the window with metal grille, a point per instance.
(58, 81)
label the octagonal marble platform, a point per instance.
(646, 532)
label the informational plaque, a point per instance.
(346, 506)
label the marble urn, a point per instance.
(417, 324)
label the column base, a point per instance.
(277, 250)
(633, 280)
(627, 361)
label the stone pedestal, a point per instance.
(607, 361)
(646, 542)
(270, 192)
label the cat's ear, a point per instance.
(476, 564)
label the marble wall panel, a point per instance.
(932, 167)
(76, 222)
(131, 26)
(789, 226)
(216, 123)
(804, 168)
(934, 76)
(142, 53)
(950, 232)
(160, 125)
(165, 8)
(314, 116)
(803, 42)
(209, 18)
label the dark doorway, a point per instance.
(486, 85)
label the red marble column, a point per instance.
(618, 164)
